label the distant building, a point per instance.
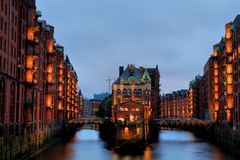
(101, 96)
(195, 97)
(95, 105)
(175, 104)
(90, 107)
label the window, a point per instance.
(139, 92)
(12, 102)
(118, 92)
(1, 24)
(2, 5)
(124, 92)
(1, 40)
(135, 92)
(2, 100)
(129, 92)
(5, 29)
(4, 63)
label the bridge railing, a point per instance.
(183, 120)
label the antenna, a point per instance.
(109, 83)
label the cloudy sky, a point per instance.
(100, 35)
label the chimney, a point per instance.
(121, 69)
(141, 68)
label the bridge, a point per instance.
(86, 120)
(181, 122)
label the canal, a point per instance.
(172, 145)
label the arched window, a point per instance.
(12, 102)
(139, 92)
(135, 92)
(124, 92)
(129, 92)
(118, 92)
(2, 100)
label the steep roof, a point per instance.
(131, 75)
(146, 76)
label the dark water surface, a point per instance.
(172, 145)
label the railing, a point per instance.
(182, 121)
(90, 120)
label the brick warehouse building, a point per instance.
(224, 73)
(175, 104)
(38, 87)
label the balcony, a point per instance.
(229, 102)
(50, 44)
(60, 65)
(229, 46)
(50, 78)
(60, 94)
(69, 108)
(32, 62)
(49, 101)
(60, 72)
(49, 68)
(60, 106)
(230, 80)
(230, 89)
(31, 34)
(228, 31)
(60, 87)
(60, 79)
(229, 69)
(32, 76)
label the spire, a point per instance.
(145, 76)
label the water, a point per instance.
(173, 145)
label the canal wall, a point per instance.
(28, 145)
(227, 139)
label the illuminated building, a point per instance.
(225, 70)
(195, 97)
(155, 91)
(32, 79)
(132, 96)
(175, 104)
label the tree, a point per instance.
(105, 108)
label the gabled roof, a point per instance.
(131, 75)
(145, 76)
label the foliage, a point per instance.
(105, 108)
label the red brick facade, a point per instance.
(38, 87)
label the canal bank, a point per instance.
(172, 145)
(28, 145)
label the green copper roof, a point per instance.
(146, 76)
(232, 27)
(47, 28)
(39, 13)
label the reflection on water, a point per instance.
(173, 145)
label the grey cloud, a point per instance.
(100, 35)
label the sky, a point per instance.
(101, 35)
